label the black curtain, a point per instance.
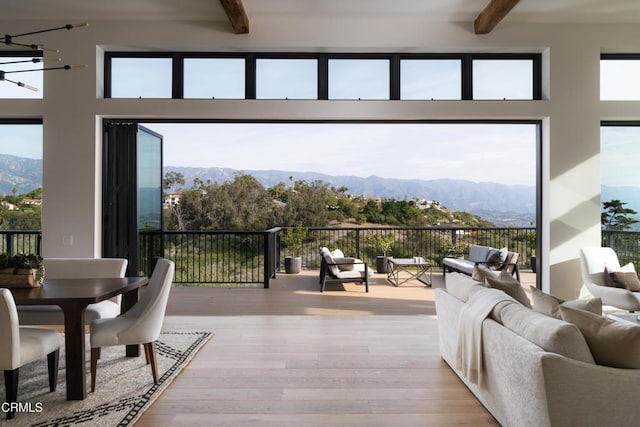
(119, 194)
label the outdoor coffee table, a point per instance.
(401, 270)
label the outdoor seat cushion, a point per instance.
(350, 274)
(328, 259)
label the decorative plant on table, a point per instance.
(383, 244)
(21, 270)
(293, 238)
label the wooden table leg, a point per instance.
(128, 301)
(74, 343)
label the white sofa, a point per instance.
(524, 384)
(75, 268)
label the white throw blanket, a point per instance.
(469, 351)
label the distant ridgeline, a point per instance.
(500, 204)
(19, 173)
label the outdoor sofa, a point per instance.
(483, 256)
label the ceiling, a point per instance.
(537, 11)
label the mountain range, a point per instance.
(495, 202)
(21, 173)
(501, 204)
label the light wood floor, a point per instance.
(291, 356)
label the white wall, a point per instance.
(571, 112)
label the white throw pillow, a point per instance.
(337, 253)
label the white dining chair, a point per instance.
(22, 345)
(140, 325)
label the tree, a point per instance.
(174, 217)
(172, 179)
(616, 217)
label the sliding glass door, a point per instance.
(132, 195)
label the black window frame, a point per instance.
(20, 54)
(619, 57)
(251, 83)
(323, 68)
(536, 69)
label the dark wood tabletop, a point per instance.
(91, 290)
(73, 296)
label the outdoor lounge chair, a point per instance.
(342, 270)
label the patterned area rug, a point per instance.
(124, 386)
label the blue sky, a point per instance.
(477, 152)
(619, 156)
(21, 140)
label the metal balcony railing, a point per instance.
(245, 258)
(26, 242)
(255, 257)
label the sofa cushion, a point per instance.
(625, 277)
(337, 253)
(496, 258)
(328, 258)
(549, 333)
(479, 253)
(459, 264)
(509, 285)
(549, 305)
(459, 285)
(612, 343)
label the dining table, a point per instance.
(73, 296)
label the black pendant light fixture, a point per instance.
(9, 40)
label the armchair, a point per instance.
(342, 270)
(593, 262)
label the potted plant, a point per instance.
(293, 239)
(533, 261)
(532, 243)
(21, 270)
(383, 245)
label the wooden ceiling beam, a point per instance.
(495, 11)
(237, 15)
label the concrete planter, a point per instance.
(292, 265)
(382, 265)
